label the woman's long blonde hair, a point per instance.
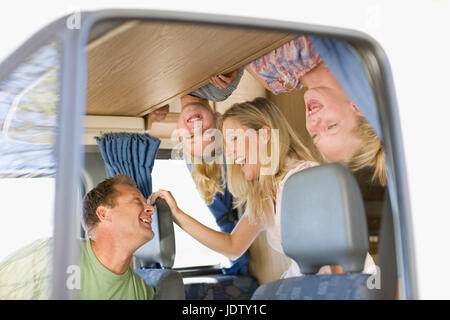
(257, 194)
(371, 153)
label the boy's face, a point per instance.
(196, 117)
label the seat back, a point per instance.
(323, 220)
(168, 284)
(322, 223)
(160, 252)
(161, 249)
(387, 256)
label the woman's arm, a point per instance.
(231, 245)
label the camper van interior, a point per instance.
(136, 68)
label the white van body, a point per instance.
(414, 35)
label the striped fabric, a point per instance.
(26, 274)
(282, 68)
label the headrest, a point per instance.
(323, 221)
(161, 249)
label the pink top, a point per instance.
(283, 68)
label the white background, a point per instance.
(414, 35)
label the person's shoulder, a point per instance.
(296, 165)
(307, 164)
(84, 246)
(26, 273)
(146, 290)
(150, 292)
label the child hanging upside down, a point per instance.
(337, 126)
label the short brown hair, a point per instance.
(103, 194)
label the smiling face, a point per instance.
(131, 216)
(196, 118)
(331, 119)
(242, 147)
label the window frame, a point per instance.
(66, 193)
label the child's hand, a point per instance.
(223, 81)
(167, 196)
(159, 114)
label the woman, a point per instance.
(261, 193)
(339, 130)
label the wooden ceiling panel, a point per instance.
(139, 66)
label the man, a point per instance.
(118, 220)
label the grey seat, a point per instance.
(168, 283)
(322, 223)
(157, 256)
(161, 249)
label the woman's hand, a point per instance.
(168, 197)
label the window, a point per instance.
(28, 120)
(173, 175)
(28, 102)
(27, 212)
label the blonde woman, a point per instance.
(260, 193)
(337, 126)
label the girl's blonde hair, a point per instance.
(209, 179)
(258, 193)
(371, 153)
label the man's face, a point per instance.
(131, 217)
(196, 117)
(331, 120)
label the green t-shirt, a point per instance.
(97, 282)
(26, 274)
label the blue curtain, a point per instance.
(350, 72)
(132, 154)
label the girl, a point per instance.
(339, 130)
